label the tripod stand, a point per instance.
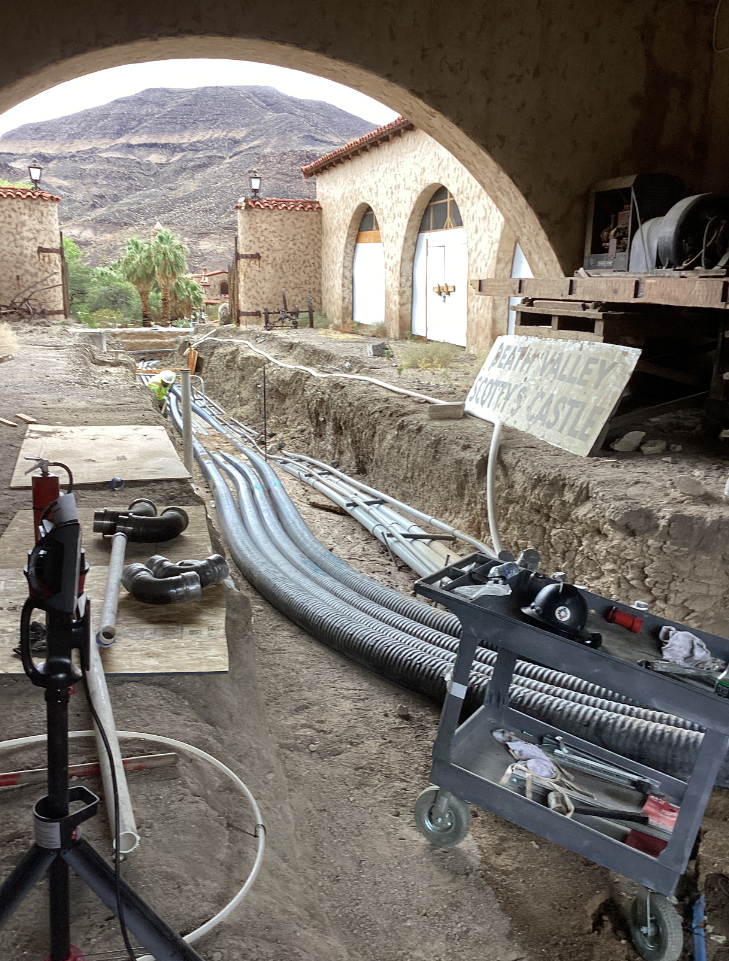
(53, 572)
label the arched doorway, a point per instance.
(440, 272)
(368, 272)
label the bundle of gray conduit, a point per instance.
(405, 640)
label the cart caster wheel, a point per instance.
(451, 826)
(662, 939)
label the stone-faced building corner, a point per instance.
(30, 260)
(279, 245)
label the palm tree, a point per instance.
(169, 257)
(186, 295)
(135, 266)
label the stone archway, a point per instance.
(483, 167)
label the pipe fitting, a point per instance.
(142, 529)
(142, 584)
(212, 570)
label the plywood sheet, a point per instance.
(96, 454)
(179, 639)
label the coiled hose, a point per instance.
(423, 667)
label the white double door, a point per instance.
(441, 262)
(368, 284)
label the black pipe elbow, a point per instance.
(212, 570)
(141, 529)
(142, 584)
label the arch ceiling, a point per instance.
(537, 98)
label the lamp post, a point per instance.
(255, 184)
(34, 172)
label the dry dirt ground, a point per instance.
(324, 747)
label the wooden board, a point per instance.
(686, 292)
(176, 639)
(96, 454)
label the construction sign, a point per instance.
(561, 391)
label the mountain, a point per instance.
(178, 156)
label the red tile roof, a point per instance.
(278, 203)
(372, 139)
(23, 193)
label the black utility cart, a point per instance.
(470, 765)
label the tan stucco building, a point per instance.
(396, 171)
(279, 245)
(28, 223)
(214, 283)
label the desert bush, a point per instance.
(429, 356)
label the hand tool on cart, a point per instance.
(530, 625)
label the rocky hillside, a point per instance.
(178, 156)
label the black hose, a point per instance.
(212, 570)
(140, 529)
(301, 535)
(531, 676)
(142, 584)
(662, 746)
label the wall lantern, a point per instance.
(255, 183)
(34, 172)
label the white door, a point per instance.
(420, 287)
(368, 284)
(446, 313)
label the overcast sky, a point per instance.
(107, 85)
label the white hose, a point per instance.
(190, 749)
(495, 421)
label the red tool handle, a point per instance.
(616, 616)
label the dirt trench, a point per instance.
(334, 754)
(616, 522)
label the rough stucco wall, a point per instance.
(289, 242)
(26, 225)
(397, 179)
(537, 98)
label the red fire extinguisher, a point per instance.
(46, 489)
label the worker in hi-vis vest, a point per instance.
(160, 385)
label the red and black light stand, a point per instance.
(55, 573)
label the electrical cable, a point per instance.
(260, 828)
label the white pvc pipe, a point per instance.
(189, 749)
(99, 694)
(107, 622)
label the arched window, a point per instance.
(442, 212)
(223, 288)
(369, 227)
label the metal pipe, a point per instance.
(99, 694)
(107, 623)
(186, 419)
(405, 508)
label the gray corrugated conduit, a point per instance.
(579, 708)
(587, 694)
